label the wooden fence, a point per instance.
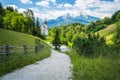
(8, 49)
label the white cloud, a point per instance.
(67, 5)
(53, 14)
(51, 1)
(14, 6)
(43, 3)
(60, 5)
(26, 1)
(95, 8)
(101, 8)
(21, 10)
(34, 9)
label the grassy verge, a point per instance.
(99, 68)
(16, 61)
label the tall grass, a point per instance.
(103, 67)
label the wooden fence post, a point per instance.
(7, 49)
(25, 48)
(36, 49)
(2, 48)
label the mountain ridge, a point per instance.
(69, 18)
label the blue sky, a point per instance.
(51, 9)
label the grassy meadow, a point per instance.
(19, 60)
(15, 38)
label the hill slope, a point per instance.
(108, 30)
(15, 38)
(108, 33)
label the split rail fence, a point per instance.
(8, 49)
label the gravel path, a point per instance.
(56, 67)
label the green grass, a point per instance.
(100, 68)
(15, 38)
(108, 33)
(108, 30)
(19, 60)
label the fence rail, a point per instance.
(8, 49)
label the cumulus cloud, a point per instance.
(26, 1)
(67, 5)
(34, 9)
(51, 1)
(98, 8)
(60, 5)
(43, 3)
(21, 10)
(95, 8)
(53, 14)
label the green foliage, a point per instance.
(25, 22)
(88, 45)
(116, 16)
(9, 8)
(1, 15)
(82, 45)
(116, 38)
(37, 23)
(1, 21)
(56, 41)
(107, 21)
(1, 9)
(98, 25)
(67, 31)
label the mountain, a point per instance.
(68, 18)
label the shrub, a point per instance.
(89, 46)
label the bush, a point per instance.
(89, 46)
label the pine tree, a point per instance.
(56, 42)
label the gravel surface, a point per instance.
(56, 67)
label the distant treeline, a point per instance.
(24, 22)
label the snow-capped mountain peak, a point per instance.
(71, 18)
